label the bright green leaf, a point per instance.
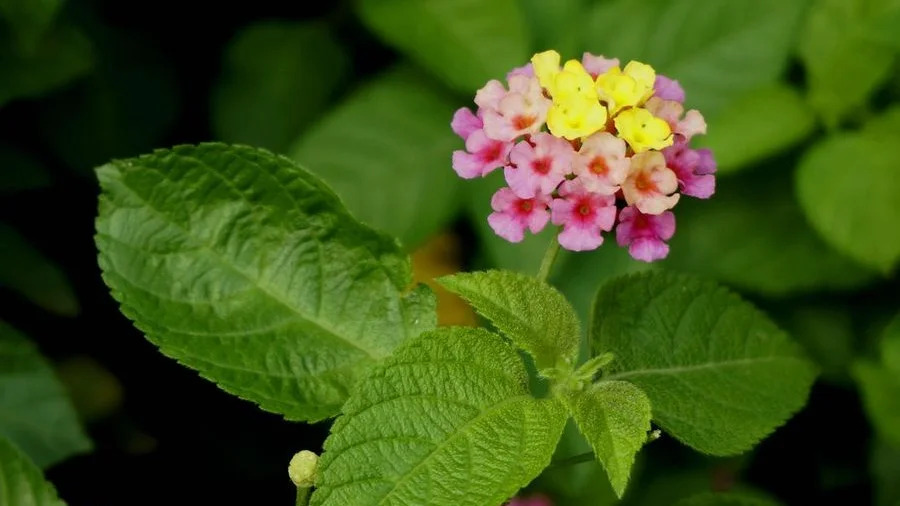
(245, 267)
(27, 271)
(22, 482)
(533, 314)
(35, 412)
(278, 77)
(29, 20)
(718, 50)
(614, 416)
(463, 42)
(725, 499)
(719, 374)
(61, 56)
(446, 420)
(752, 234)
(843, 64)
(848, 187)
(759, 124)
(386, 152)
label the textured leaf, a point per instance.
(713, 48)
(614, 416)
(725, 499)
(446, 420)
(278, 77)
(533, 314)
(848, 186)
(752, 234)
(719, 374)
(22, 482)
(844, 65)
(63, 55)
(29, 20)
(758, 125)
(463, 42)
(27, 271)
(386, 152)
(245, 267)
(35, 413)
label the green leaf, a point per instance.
(847, 185)
(29, 20)
(725, 499)
(23, 484)
(386, 152)
(757, 125)
(881, 398)
(843, 64)
(531, 313)
(719, 374)
(826, 333)
(463, 42)
(575, 485)
(277, 78)
(62, 56)
(446, 420)
(242, 265)
(614, 416)
(713, 48)
(35, 412)
(884, 466)
(551, 24)
(20, 171)
(752, 234)
(890, 347)
(27, 271)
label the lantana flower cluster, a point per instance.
(588, 146)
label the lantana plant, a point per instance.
(244, 266)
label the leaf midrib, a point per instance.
(204, 246)
(695, 367)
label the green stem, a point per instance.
(575, 459)
(547, 262)
(303, 495)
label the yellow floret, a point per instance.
(546, 67)
(573, 80)
(642, 130)
(576, 117)
(630, 88)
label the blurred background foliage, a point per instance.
(803, 103)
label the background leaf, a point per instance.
(386, 152)
(63, 55)
(277, 78)
(844, 65)
(531, 313)
(23, 484)
(35, 412)
(753, 235)
(712, 47)
(720, 376)
(27, 271)
(725, 499)
(757, 125)
(20, 171)
(848, 186)
(29, 19)
(463, 42)
(555, 25)
(614, 416)
(446, 411)
(245, 267)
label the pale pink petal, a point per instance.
(506, 226)
(596, 65)
(513, 215)
(644, 234)
(707, 164)
(650, 183)
(580, 239)
(526, 70)
(539, 165)
(692, 124)
(601, 164)
(668, 89)
(489, 96)
(465, 122)
(648, 249)
(467, 165)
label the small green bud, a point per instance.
(303, 469)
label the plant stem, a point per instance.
(303, 495)
(547, 262)
(575, 459)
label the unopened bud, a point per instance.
(303, 469)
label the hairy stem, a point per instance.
(303, 494)
(547, 262)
